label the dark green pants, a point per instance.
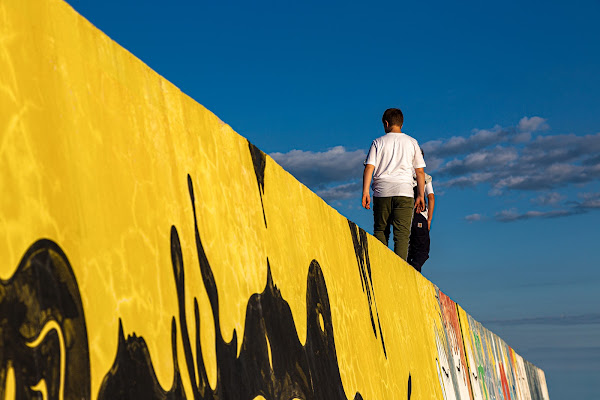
(394, 211)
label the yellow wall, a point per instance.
(95, 153)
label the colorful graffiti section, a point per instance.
(150, 252)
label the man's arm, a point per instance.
(430, 207)
(420, 200)
(367, 175)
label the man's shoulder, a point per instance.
(412, 139)
(381, 138)
(379, 141)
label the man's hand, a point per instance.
(428, 224)
(419, 204)
(420, 200)
(366, 201)
(367, 175)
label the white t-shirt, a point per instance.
(394, 157)
(428, 190)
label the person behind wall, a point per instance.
(418, 247)
(390, 164)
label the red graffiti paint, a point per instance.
(505, 390)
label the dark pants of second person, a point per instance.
(393, 211)
(418, 248)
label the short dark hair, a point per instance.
(393, 116)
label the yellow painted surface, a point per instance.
(95, 150)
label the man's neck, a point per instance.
(395, 129)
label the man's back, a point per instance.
(394, 157)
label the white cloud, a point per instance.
(590, 200)
(588, 196)
(480, 161)
(550, 198)
(522, 137)
(563, 148)
(473, 179)
(456, 145)
(593, 203)
(512, 215)
(540, 164)
(433, 163)
(474, 217)
(507, 215)
(532, 124)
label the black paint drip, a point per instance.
(40, 312)
(361, 249)
(132, 375)
(259, 160)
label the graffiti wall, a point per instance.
(150, 252)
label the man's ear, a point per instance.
(386, 126)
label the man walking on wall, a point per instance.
(390, 163)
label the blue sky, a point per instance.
(503, 98)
